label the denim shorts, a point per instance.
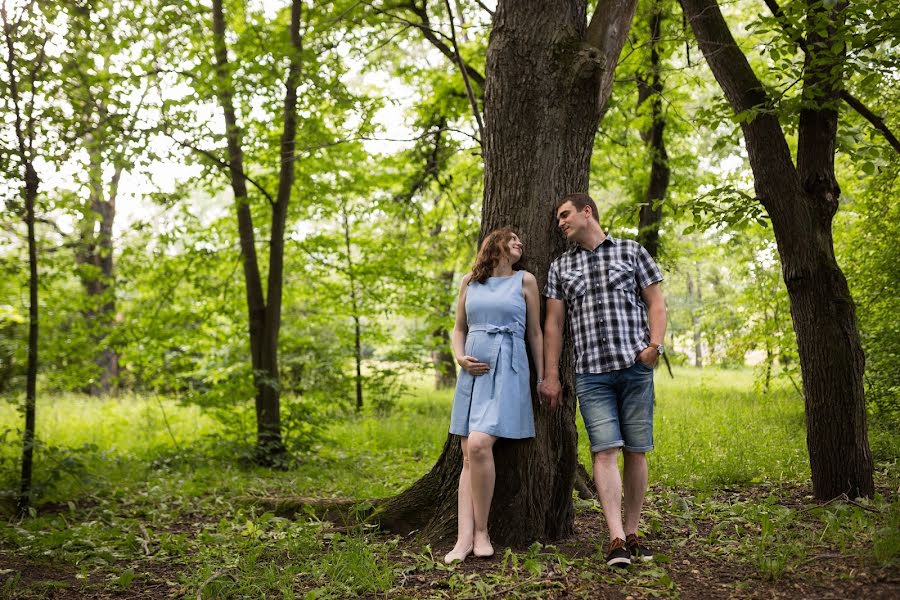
(617, 408)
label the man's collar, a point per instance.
(576, 247)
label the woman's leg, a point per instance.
(465, 511)
(482, 476)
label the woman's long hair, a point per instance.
(493, 248)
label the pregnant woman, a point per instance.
(496, 310)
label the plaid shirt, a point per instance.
(602, 290)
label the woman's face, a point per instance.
(514, 249)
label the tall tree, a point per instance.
(102, 37)
(264, 309)
(801, 201)
(549, 76)
(25, 44)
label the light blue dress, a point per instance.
(497, 403)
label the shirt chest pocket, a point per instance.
(574, 285)
(621, 276)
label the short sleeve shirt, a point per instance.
(606, 315)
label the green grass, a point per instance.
(131, 486)
(711, 428)
(129, 424)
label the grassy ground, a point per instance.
(145, 497)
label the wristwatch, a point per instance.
(660, 349)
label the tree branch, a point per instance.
(485, 8)
(462, 69)
(876, 121)
(607, 32)
(223, 165)
(857, 105)
(434, 37)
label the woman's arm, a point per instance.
(460, 330)
(533, 323)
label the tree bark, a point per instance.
(549, 76)
(802, 202)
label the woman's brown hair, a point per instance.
(493, 248)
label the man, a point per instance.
(609, 290)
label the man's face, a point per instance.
(571, 221)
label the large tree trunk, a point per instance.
(801, 202)
(95, 257)
(548, 80)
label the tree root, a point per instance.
(344, 511)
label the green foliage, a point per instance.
(868, 252)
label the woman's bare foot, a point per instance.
(459, 553)
(482, 547)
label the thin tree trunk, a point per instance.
(24, 152)
(695, 321)
(269, 407)
(354, 308)
(28, 437)
(549, 76)
(264, 312)
(801, 202)
(650, 215)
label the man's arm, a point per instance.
(656, 317)
(554, 324)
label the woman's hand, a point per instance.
(473, 366)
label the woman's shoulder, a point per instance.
(527, 277)
(466, 281)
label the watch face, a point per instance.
(660, 349)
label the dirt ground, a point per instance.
(686, 569)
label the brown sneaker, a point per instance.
(617, 555)
(637, 550)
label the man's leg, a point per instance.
(637, 429)
(609, 489)
(482, 476)
(465, 512)
(597, 397)
(635, 477)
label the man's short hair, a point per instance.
(579, 201)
